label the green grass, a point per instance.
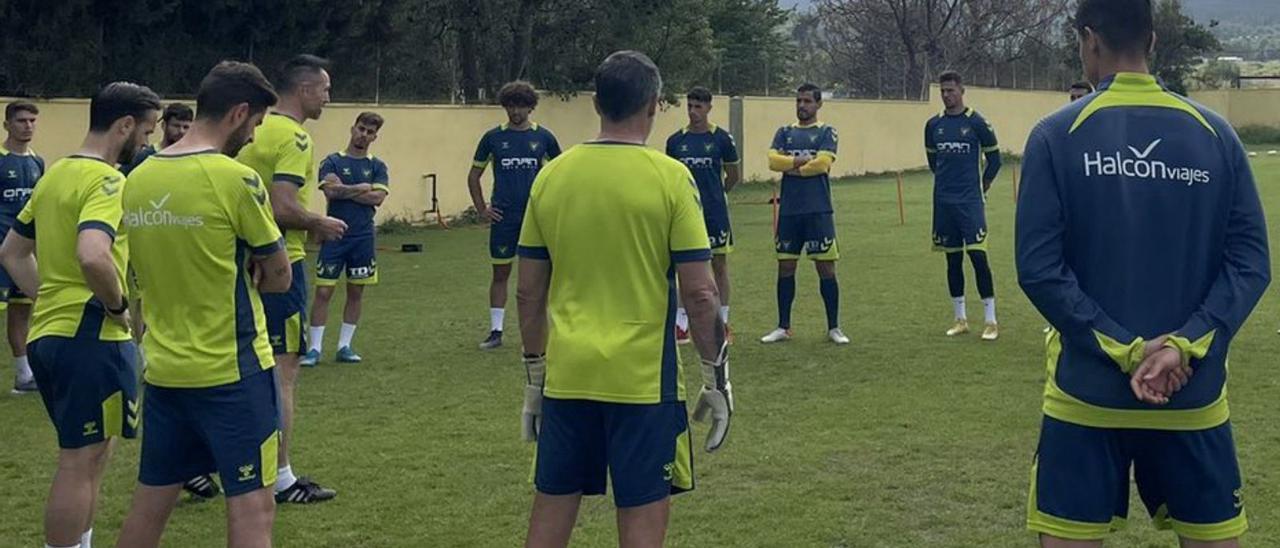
(906, 438)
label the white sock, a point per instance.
(496, 317)
(682, 318)
(347, 333)
(52, 546)
(86, 540)
(724, 314)
(989, 307)
(317, 338)
(23, 368)
(285, 479)
(958, 303)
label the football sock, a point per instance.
(786, 294)
(347, 333)
(285, 479)
(682, 318)
(317, 337)
(496, 317)
(958, 304)
(22, 368)
(724, 314)
(86, 540)
(989, 308)
(830, 290)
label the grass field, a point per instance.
(905, 438)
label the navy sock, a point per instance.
(955, 274)
(786, 294)
(830, 289)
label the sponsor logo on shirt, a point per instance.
(698, 163)
(954, 147)
(520, 163)
(1141, 164)
(15, 194)
(159, 216)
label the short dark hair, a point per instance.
(178, 111)
(809, 87)
(12, 109)
(626, 82)
(117, 100)
(1082, 85)
(518, 94)
(951, 76)
(297, 69)
(1124, 25)
(230, 83)
(699, 93)
(370, 119)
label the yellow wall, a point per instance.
(875, 136)
(1244, 107)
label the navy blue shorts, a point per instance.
(231, 429)
(644, 449)
(812, 234)
(89, 387)
(12, 294)
(1188, 480)
(355, 257)
(504, 237)
(720, 234)
(285, 313)
(959, 227)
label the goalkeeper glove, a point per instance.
(535, 367)
(715, 398)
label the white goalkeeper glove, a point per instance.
(535, 367)
(715, 398)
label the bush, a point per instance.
(1259, 135)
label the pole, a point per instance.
(1014, 175)
(775, 203)
(902, 212)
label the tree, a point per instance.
(1180, 41)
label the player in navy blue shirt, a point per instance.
(956, 143)
(1141, 238)
(20, 168)
(803, 154)
(711, 155)
(175, 121)
(355, 183)
(517, 149)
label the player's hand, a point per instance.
(986, 186)
(122, 318)
(1159, 376)
(801, 160)
(329, 228)
(492, 214)
(715, 398)
(535, 367)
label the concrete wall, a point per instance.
(875, 136)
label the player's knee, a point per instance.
(787, 269)
(826, 269)
(501, 272)
(323, 294)
(85, 460)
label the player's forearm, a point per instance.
(371, 198)
(703, 306)
(780, 162)
(817, 166)
(477, 192)
(732, 176)
(531, 301)
(20, 262)
(274, 272)
(993, 167)
(933, 161)
(342, 192)
(103, 279)
(291, 215)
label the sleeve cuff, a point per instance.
(268, 249)
(383, 187)
(828, 154)
(1189, 349)
(480, 164)
(691, 256)
(531, 252)
(26, 230)
(289, 178)
(992, 148)
(98, 225)
(931, 150)
(1126, 355)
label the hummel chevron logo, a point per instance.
(258, 193)
(1147, 152)
(160, 204)
(300, 141)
